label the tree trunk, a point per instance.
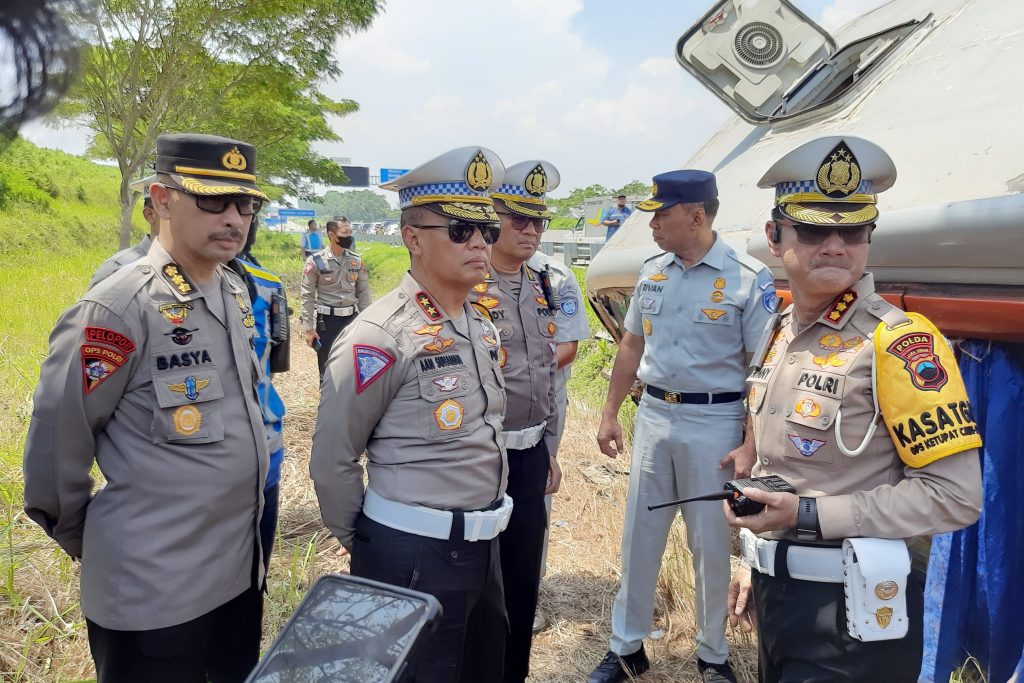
(127, 203)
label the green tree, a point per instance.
(361, 206)
(576, 198)
(243, 69)
(635, 188)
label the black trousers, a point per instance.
(465, 576)
(803, 638)
(268, 522)
(329, 327)
(522, 546)
(221, 646)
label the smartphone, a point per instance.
(316, 344)
(349, 630)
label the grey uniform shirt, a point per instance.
(526, 325)
(144, 379)
(341, 282)
(698, 323)
(570, 316)
(125, 256)
(423, 395)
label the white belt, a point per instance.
(524, 438)
(330, 310)
(424, 521)
(807, 563)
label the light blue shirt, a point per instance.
(312, 241)
(615, 213)
(699, 323)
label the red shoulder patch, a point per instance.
(101, 335)
(98, 364)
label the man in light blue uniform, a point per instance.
(312, 240)
(696, 315)
(614, 216)
(270, 310)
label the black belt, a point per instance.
(690, 397)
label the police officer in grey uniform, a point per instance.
(571, 328)
(698, 310)
(134, 253)
(861, 407)
(152, 376)
(415, 381)
(334, 289)
(521, 302)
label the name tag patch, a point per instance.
(821, 382)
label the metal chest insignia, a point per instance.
(657, 277)
(717, 297)
(432, 330)
(447, 383)
(884, 616)
(439, 345)
(832, 360)
(713, 313)
(807, 408)
(648, 327)
(720, 283)
(488, 302)
(187, 420)
(175, 312)
(181, 335)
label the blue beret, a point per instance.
(680, 187)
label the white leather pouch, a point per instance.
(875, 583)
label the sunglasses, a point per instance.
(521, 222)
(460, 232)
(815, 235)
(246, 204)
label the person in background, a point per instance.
(132, 254)
(311, 241)
(334, 289)
(270, 310)
(614, 216)
(571, 328)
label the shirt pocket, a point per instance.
(443, 405)
(547, 326)
(809, 427)
(650, 302)
(756, 391)
(188, 407)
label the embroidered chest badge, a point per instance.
(807, 447)
(833, 342)
(370, 363)
(432, 330)
(190, 387)
(447, 383)
(175, 312)
(658, 277)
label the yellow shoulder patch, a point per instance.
(921, 394)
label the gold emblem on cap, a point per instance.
(839, 173)
(884, 616)
(886, 590)
(537, 181)
(479, 174)
(187, 420)
(654, 190)
(234, 160)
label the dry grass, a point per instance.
(42, 634)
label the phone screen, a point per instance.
(347, 630)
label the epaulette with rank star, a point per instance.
(839, 307)
(177, 279)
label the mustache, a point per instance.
(232, 233)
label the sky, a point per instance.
(585, 84)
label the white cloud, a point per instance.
(659, 67)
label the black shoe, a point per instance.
(715, 673)
(618, 668)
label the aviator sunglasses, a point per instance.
(521, 222)
(814, 235)
(460, 232)
(246, 205)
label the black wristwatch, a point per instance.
(807, 528)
